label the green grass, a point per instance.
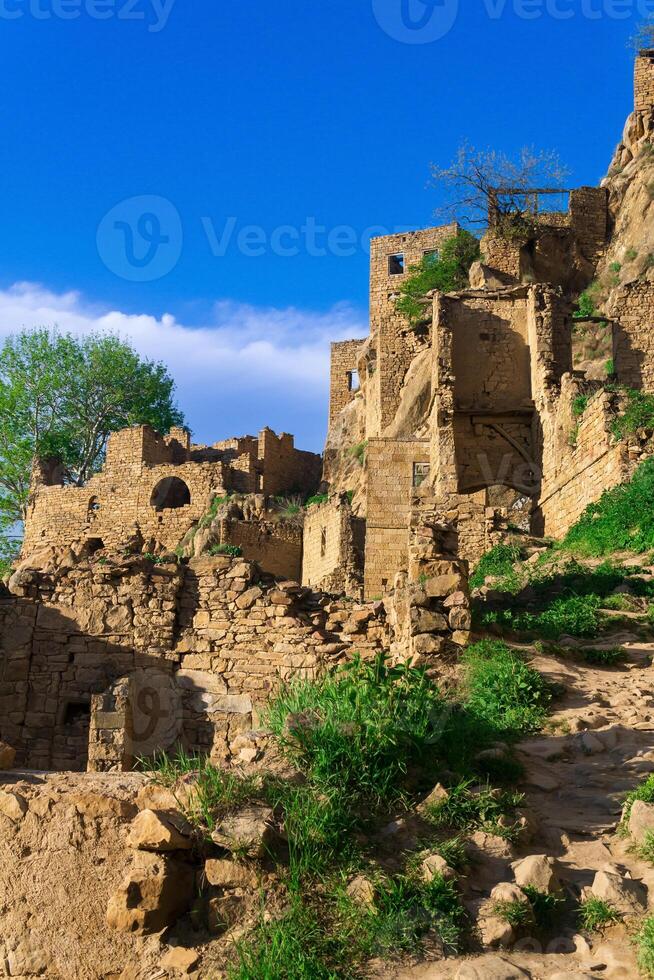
(317, 499)
(361, 728)
(472, 807)
(504, 692)
(359, 452)
(516, 913)
(405, 910)
(637, 414)
(547, 909)
(291, 948)
(623, 518)
(216, 791)
(207, 519)
(579, 405)
(452, 851)
(232, 550)
(595, 914)
(644, 940)
(645, 849)
(498, 562)
(604, 658)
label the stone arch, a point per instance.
(171, 493)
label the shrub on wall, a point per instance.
(446, 271)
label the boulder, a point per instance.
(153, 895)
(180, 960)
(495, 932)
(537, 871)
(229, 874)
(627, 896)
(435, 866)
(250, 830)
(641, 820)
(7, 756)
(362, 891)
(13, 805)
(506, 891)
(491, 857)
(425, 621)
(156, 830)
(437, 796)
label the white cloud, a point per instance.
(244, 368)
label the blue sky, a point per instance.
(231, 121)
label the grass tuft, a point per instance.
(595, 914)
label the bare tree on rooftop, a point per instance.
(643, 39)
(483, 185)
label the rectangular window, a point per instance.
(432, 255)
(420, 473)
(396, 264)
(353, 381)
(323, 542)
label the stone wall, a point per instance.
(157, 488)
(391, 470)
(586, 459)
(103, 661)
(344, 362)
(334, 545)
(644, 81)
(632, 309)
(277, 547)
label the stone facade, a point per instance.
(334, 543)
(344, 375)
(644, 82)
(155, 488)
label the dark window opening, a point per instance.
(94, 507)
(420, 473)
(323, 542)
(94, 544)
(396, 264)
(353, 381)
(77, 714)
(170, 494)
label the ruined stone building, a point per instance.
(162, 602)
(471, 414)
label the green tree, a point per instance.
(61, 396)
(446, 271)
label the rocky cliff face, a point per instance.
(630, 182)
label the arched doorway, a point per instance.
(170, 493)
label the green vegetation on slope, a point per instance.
(369, 740)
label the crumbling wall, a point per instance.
(644, 82)
(632, 309)
(155, 489)
(276, 547)
(586, 459)
(396, 345)
(334, 544)
(344, 364)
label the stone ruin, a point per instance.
(470, 414)
(125, 631)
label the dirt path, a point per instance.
(600, 748)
